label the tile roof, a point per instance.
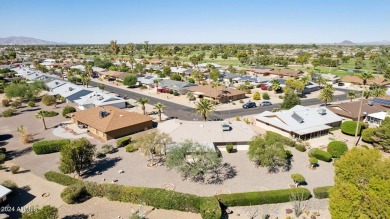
(116, 118)
(351, 109)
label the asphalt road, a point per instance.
(187, 113)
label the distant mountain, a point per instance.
(346, 42)
(382, 42)
(20, 40)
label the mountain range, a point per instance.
(21, 40)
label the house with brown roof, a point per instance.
(113, 74)
(222, 94)
(109, 122)
(354, 79)
(350, 110)
(286, 72)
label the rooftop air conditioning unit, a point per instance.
(370, 103)
(321, 111)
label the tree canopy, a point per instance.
(361, 190)
(290, 100)
(381, 135)
(130, 80)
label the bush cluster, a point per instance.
(48, 100)
(131, 148)
(322, 192)
(49, 113)
(49, 146)
(31, 103)
(266, 96)
(60, 178)
(229, 148)
(9, 184)
(337, 148)
(261, 198)
(74, 193)
(3, 156)
(121, 142)
(320, 154)
(14, 169)
(210, 209)
(5, 102)
(349, 127)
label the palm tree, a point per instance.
(204, 107)
(191, 96)
(351, 95)
(321, 80)
(143, 101)
(159, 106)
(101, 86)
(275, 85)
(85, 79)
(88, 70)
(41, 115)
(378, 92)
(215, 85)
(365, 77)
(326, 94)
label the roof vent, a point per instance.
(321, 111)
(70, 88)
(103, 114)
(370, 103)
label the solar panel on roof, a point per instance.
(297, 117)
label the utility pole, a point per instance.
(358, 121)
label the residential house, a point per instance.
(72, 92)
(350, 110)
(81, 68)
(259, 70)
(299, 122)
(178, 86)
(384, 101)
(148, 80)
(286, 73)
(330, 78)
(113, 75)
(311, 87)
(54, 84)
(220, 94)
(98, 98)
(48, 62)
(109, 122)
(356, 80)
(377, 118)
(253, 80)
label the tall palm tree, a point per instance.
(41, 115)
(351, 95)
(275, 85)
(159, 106)
(365, 77)
(378, 92)
(85, 79)
(204, 107)
(326, 94)
(215, 85)
(88, 70)
(143, 101)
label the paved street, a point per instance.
(186, 113)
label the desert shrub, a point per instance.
(46, 212)
(320, 154)
(14, 169)
(131, 148)
(67, 110)
(337, 148)
(9, 184)
(300, 147)
(5, 102)
(9, 112)
(74, 193)
(121, 142)
(349, 127)
(210, 209)
(49, 113)
(241, 101)
(263, 197)
(256, 96)
(49, 146)
(229, 148)
(322, 192)
(367, 135)
(238, 118)
(313, 160)
(288, 154)
(170, 91)
(266, 96)
(16, 104)
(60, 178)
(31, 103)
(48, 100)
(2, 157)
(191, 80)
(108, 149)
(298, 178)
(176, 93)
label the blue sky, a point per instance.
(197, 21)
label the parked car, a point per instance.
(162, 90)
(264, 87)
(249, 105)
(265, 103)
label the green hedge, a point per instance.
(49, 146)
(261, 198)
(286, 141)
(130, 148)
(210, 208)
(349, 127)
(322, 192)
(74, 193)
(60, 178)
(49, 113)
(121, 142)
(367, 135)
(337, 148)
(320, 154)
